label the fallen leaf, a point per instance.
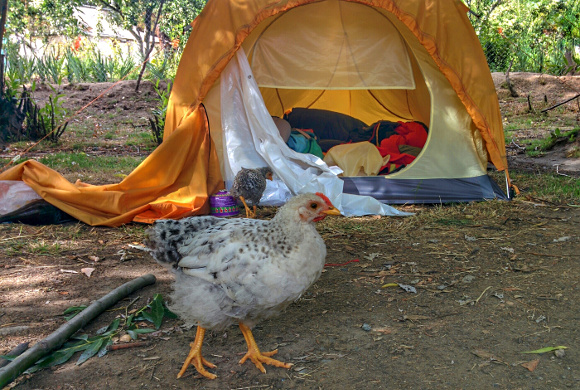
(390, 285)
(87, 271)
(384, 330)
(546, 349)
(94, 258)
(484, 354)
(531, 365)
(68, 271)
(408, 288)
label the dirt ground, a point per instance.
(491, 280)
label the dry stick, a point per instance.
(57, 338)
(559, 104)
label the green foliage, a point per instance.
(531, 35)
(49, 121)
(42, 19)
(157, 123)
(538, 147)
(154, 312)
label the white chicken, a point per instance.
(241, 270)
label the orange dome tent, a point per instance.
(374, 60)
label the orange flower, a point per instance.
(77, 43)
(500, 30)
(175, 43)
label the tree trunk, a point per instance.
(150, 44)
(3, 13)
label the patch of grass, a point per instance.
(141, 139)
(81, 162)
(538, 146)
(552, 188)
(41, 247)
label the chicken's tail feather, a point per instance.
(166, 236)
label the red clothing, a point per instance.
(408, 133)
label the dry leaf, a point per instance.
(384, 330)
(483, 354)
(87, 271)
(94, 258)
(531, 365)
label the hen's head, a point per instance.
(267, 172)
(308, 208)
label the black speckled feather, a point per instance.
(250, 183)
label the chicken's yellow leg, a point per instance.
(256, 356)
(248, 211)
(195, 357)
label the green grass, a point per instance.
(553, 188)
(538, 146)
(142, 139)
(79, 162)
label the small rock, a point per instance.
(468, 279)
(560, 353)
(366, 327)
(125, 338)
(562, 239)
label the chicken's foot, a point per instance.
(249, 213)
(195, 357)
(256, 356)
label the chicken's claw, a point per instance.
(258, 357)
(249, 213)
(196, 359)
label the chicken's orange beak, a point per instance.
(332, 211)
(269, 176)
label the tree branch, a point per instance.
(57, 338)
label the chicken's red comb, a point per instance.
(325, 198)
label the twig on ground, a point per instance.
(561, 174)
(478, 298)
(137, 344)
(57, 338)
(559, 104)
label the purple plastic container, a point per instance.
(222, 204)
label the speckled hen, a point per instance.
(249, 185)
(240, 270)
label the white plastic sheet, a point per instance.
(15, 195)
(246, 122)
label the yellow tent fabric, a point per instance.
(440, 26)
(175, 181)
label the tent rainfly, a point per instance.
(372, 69)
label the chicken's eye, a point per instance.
(314, 205)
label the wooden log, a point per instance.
(58, 337)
